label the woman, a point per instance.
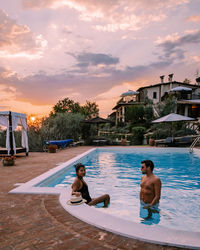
(80, 187)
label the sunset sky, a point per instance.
(92, 49)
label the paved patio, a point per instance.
(40, 222)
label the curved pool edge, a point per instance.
(153, 234)
(92, 216)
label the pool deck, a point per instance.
(40, 222)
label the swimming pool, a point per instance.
(117, 171)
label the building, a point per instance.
(129, 98)
(187, 95)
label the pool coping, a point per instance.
(154, 234)
(29, 188)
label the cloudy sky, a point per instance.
(92, 49)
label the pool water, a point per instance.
(117, 172)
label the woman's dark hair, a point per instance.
(78, 166)
(149, 163)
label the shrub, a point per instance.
(35, 139)
(161, 134)
(138, 135)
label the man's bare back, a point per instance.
(150, 185)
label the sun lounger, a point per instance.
(59, 143)
(175, 142)
(100, 142)
(184, 141)
(77, 143)
(166, 142)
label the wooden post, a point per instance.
(27, 135)
(11, 134)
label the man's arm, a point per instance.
(157, 190)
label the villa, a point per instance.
(187, 95)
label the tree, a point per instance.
(148, 114)
(66, 105)
(89, 110)
(135, 114)
(62, 126)
(168, 106)
(140, 115)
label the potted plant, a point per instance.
(8, 160)
(151, 141)
(123, 141)
(52, 148)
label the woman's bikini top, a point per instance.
(85, 193)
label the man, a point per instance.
(150, 188)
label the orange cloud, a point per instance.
(196, 58)
(194, 19)
(18, 40)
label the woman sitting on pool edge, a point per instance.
(80, 187)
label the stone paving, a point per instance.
(40, 222)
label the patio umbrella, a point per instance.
(171, 118)
(129, 92)
(97, 120)
(180, 88)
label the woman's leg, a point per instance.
(104, 198)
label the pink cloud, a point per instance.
(18, 40)
(113, 15)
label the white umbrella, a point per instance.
(129, 92)
(180, 88)
(173, 118)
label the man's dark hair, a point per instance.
(148, 163)
(78, 166)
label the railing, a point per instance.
(194, 143)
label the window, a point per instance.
(154, 95)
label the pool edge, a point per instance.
(113, 224)
(30, 188)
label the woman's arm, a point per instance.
(75, 187)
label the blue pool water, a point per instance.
(117, 172)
